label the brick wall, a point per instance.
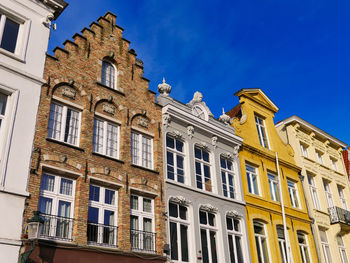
(73, 75)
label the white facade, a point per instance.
(24, 34)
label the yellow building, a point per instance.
(279, 226)
(326, 186)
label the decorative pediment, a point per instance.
(177, 135)
(208, 208)
(259, 97)
(180, 200)
(203, 145)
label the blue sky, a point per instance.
(297, 52)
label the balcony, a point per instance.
(143, 241)
(340, 215)
(102, 235)
(57, 227)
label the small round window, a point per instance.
(198, 111)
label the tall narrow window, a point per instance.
(106, 137)
(319, 157)
(334, 164)
(260, 125)
(303, 247)
(64, 124)
(108, 75)
(325, 246)
(293, 193)
(208, 230)
(274, 187)
(9, 30)
(303, 148)
(179, 223)
(328, 192)
(102, 216)
(261, 242)
(234, 233)
(141, 150)
(3, 103)
(282, 243)
(342, 197)
(142, 236)
(227, 176)
(342, 250)
(202, 163)
(313, 191)
(175, 159)
(252, 179)
(56, 206)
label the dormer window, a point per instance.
(199, 112)
(108, 75)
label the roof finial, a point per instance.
(224, 118)
(164, 88)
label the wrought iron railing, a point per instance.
(57, 227)
(103, 235)
(143, 240)
(339, 215)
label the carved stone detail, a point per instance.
(232, 213)
(108, 108)
(208, 208)
(214, 140)
(166, 120)
(227, 155)
(177, 135)
(142, 122)
(164, 88)
(190, 131)
(225, 119)
(203, 145)
(180, 200)
(69, 92)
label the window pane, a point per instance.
(236, 225)
(66, 186)
(173, 210)
(205, 156)
(134, 202)
(147, 225)
(223, 163)
(147, 205)
(229, 223)
(93, 215)
(108, 73)
(179, 146)
(3, 102)
(72, 123)
(197, 153)
(47, 183)
(134, 148)
(205, 254)
(211, 219)
(64, 208)
(9, 36)
(239, 249)
(170, 142)
(232, 250)
(108, 218)
(45, 205)
(184, 243)
(134, 222)
(213, 246)
(98, 136)
(109, 197)
(55, 121)
(112, 140)
(183, 212)
(94, 194)
(173, 241)
(203, 217)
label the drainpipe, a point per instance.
(283, 212)
(313, 227)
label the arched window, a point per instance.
(108, 75)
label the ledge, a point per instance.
(122, 29)
(144, 168)
(146, 79)
(52, 57)
(114, 90)
(126, 40)
(94, 23)
(65, 144)
(59, 48)
(88, 29)
(71, 42)
(107, 157)
(78, 35)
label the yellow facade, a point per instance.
(329, 204)
(261, 209)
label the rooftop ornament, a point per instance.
(224, 118)
(164, 88)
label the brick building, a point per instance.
(347, 161)
(96, 172)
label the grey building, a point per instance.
(203, 188)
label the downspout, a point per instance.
(283, 212)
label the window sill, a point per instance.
(109, 88)
(107, 157)
(144, 168)
(12, 55)
(65, 144)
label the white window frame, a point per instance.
(56, 196)
(313, 191)
(202, 165)
(319, 156)
(235, 233)
(7, 124)
(274, 187)
(334, 164)
(225, 174)
(176, 153)
(113, 83)
(179, 221)
(325, 247)
(262, 130)
(140, 152)
(342, 249)
(208, 228)
(282, 244)
(304, 151)
(141, 215)
(250, 176)
(22, 36)
(293, 193)
(102, 206)
(64, 123)
(103, 151)
(328, 192)
(260, 237)
(304, 248)
(342, 197)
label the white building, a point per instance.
(24, 34)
